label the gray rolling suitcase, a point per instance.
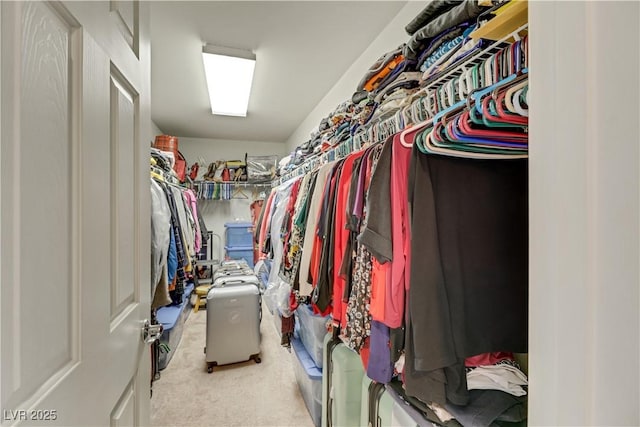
(249, 279)
(232, 312)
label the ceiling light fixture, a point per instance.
(229, 75)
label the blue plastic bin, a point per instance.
(309, 379)
(238, 234)
(240, 252)
(172, 318)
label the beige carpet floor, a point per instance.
(242, 394)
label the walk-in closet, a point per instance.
(320, 213)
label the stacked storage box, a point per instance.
(311, 330)
(239, 241)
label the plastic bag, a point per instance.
(261, 168)
(276, 296)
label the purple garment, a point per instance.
(380, 368)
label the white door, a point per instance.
(74, 204)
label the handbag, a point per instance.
(180, 167)
(193, 173)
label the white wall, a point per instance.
(392, 36)
(584, 328)
(155, 130)
(216, 212)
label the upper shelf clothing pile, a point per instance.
(440, 39)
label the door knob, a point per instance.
(151, 333)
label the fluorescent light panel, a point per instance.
(229, 75)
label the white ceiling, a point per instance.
(302, 49)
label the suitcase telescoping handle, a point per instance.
(233, 282)
(236, 282)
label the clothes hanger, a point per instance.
(476, 152)
(413, 129)
(493, 112)
(509, 95)
(508, 117)
(237, 192)
(429, 105)
(451, 92)
(518, 105)
(476, 95)
(462, 130)
(488, 118)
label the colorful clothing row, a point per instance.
(176, 236)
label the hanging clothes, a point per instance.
(306, 286)
(322, 255)
(160, 244)
(293, 248)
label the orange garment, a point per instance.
(374, 81)
(174, 282)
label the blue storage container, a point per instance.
(240, 252)
(238, 234)
(309, 379)
(313, 328)
(172, 318)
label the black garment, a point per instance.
(323, 291)
(485, 407)
(346, 269)
(204, 233)
(461, 12)
(396, 341)
(433, 9)
(469, 268)
(376, 236)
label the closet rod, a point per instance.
(171, 184)
(238, 183)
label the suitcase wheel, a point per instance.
(256, 358)
(210, 366)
